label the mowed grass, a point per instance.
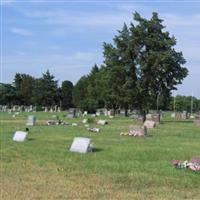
(120, 167)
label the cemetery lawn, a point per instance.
(121, 167)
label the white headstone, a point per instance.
(31, 120)
(102, 122)
(149, 124)
(20, 136)
(173, 115)
(85, 121)
(81, 145)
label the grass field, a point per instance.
(120, 167)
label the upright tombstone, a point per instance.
(81, 145)
(102, 122)
(173, 115)
(30, 120)
(156, 118)
(46, 109)
(71, 113)
(149, 116)
(20, 136)
(184, 115)
(149, 124)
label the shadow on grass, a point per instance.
(31, 139)
(171, 121)
(96, 149)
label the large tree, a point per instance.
(143, 64)
(24, 85)
(46, 90)
(66, 94)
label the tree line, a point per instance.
(44, 91)
(140, 69)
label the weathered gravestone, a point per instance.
(102, 122)
(156, 118)
(30, 120)
(149, 116)
(20, 136)
(137, 130)
(149, 124)
(81, 145)
(71, 113)
(184, 115)
(173, 115)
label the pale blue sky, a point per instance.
(66, 37)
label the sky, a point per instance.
(66, 37)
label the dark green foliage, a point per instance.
(46, 90)
(66, 94)
(188, 103)
(8, 94)
(143, 64)
(24, 85)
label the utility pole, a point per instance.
(192, 103)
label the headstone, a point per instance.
(59, 110)
(106, 113)
(30, 120)
(184, 115)
(98, 113)
(110, 112)
(137, 131)
(102, 122)
(149, 116)
(149, 124)
(45, 109)
(156, 118)
(85, 113)
(71, 113)
(93, 115)
(81, 145)
(178, 115)
(173, 115)
(74, 124)
(20, 136)
(85, 121)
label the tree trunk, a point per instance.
(144, 115)
(126, 112)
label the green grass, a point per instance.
(121, 167)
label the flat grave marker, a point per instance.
(20, 136)
(81, 145)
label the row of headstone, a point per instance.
(79, 144)
(52, 109)
(16, 108)
(181, 115)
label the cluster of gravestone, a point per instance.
(52, 109)
(183, 115)
(16, 108)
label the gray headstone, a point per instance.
(31, 120)
(81, 145)
(71, 113)
(20, 136)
